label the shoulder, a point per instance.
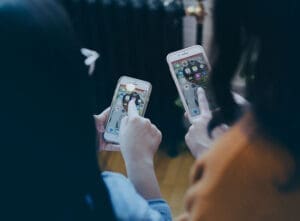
(243, 153)
(129, 205)
(237, 176)
(226, 157)
(245, 149)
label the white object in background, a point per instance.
(91, 58)
(207, 28)
(189, 31)
(189, 26)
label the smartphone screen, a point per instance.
(124, 94)
(192, 72)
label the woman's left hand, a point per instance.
(100, 121)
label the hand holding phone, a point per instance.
(127, 89)
(100, 121)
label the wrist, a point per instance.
(142, 175)
(138, 162)
(137, 158)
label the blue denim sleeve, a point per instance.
(129, 205)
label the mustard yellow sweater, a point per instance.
(237, 179)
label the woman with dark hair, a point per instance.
(48, 160)
(253, 171)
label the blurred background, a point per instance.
(133, 37)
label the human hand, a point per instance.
(100, 121)
(139, 138)
(197, 138)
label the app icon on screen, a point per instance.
(198, 76)
(187, 70)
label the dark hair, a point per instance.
(262, 38)
(48, 149)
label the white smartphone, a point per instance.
(189, 68)
(127, 89)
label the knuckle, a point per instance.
(134, 119)
(159, 134)
(207, 115)
(191, 129)
(156, 131)
(147, 123)
(197, 121)
(159, 139)
(187, 137)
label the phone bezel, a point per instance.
(179, 55)
(141, 84)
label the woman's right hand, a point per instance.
(139, 138)
(197, 138)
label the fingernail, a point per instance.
(200, 90)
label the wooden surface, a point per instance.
(172, 174)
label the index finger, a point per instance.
(132, 110)
(203, 103)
